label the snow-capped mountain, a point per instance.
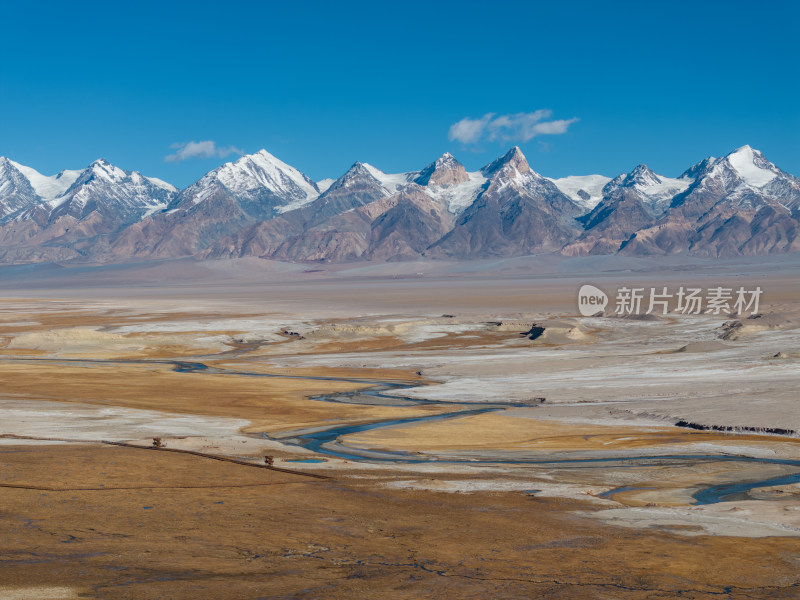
(66, 212)
(125, 195)
(753, 169)
(254, 188)
(260, 206)
(628, 202)
(745, 178)
(655, 191)
(260, 181)
(441, 210)
(516, 212)
(738, 204)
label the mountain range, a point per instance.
(739, 204)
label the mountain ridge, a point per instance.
(738, 204)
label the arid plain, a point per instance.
(422, 444)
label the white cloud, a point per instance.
(518, 127)
(204, 149)
(469, 131)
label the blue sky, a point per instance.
(322, 84)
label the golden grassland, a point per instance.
(159, 525)
(271, 404)
(498, 431)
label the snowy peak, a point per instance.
(698, 170)
(125, 196)
(445, 170)
(16, 191)
(654, 191)
(260, 183)
(744, 166)
(641, 177)
(5, 166)
(324, 184)
(103, 177)
(365, 174)
(100, 172)
(357, 172)
(751, 166)
(652, 185)
(511, 169)
(357, 176)
(262, 169)
(101, 165)
(513, 160)
(745, 179)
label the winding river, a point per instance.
(328, 442)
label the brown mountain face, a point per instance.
(186, 231)
(630, 202)
(609, 224)
(357, 187)
(409, 228)
(400, 227)
(446, 170)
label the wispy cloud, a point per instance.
(204, 149)
(517, 127)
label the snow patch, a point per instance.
(162, 184)
(460, 196)
(324, 184)
(48, 187)
(743, 162)
(667, 187)
(391, 181)
(589, 184)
